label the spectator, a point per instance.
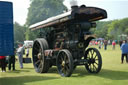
(109, 42)
(113, 45)
(3, 63)
(20, 55)
(124, 49)
(96, 43)
(11, 61)
(105, 44)
(100, 45)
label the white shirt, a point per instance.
(20, 50)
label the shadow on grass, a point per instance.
(105, 73)
(19, 71)
(53, 70)
(113, 75)
(23, 79)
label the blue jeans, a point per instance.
(20, 56)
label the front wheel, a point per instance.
(94, 60)
(64, 63)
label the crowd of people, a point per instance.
(9, 61)
(104, 43)
(123, 46)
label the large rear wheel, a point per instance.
(41, 64)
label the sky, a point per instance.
(116, 9)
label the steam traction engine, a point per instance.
(65, 45)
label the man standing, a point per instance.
(20, 55)
(124, 49)
(105, 44)
(11, 61)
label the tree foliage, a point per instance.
(19, 32)
(40, 10)
(111, 29)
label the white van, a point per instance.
(28, 43)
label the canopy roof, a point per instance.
(80, 14)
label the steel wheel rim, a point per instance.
(64, 63)
(37, 61)
(94, 60)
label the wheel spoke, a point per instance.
(65, 57)
(63, 70)
(90, 66)
(96, 59)
(66, 60)
(61, 58)
(95, 56)
(94, 67)
(96, 63)
(88, 55)
(40, 65)
(92, 53)
(38, 61)
(67, 69)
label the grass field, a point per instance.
(112, 73)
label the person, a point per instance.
(109, 42)
(11, 61)
(99, 43)
(124, 49)
(113, 45)
(27, 52)
(20, 55)
(105, 44)
(3, 63)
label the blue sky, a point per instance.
(116, 9)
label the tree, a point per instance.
(102, 29)
(40, 10)
(19, 32)
(118, 27)
(111, 29)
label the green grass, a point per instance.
(112, 73)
